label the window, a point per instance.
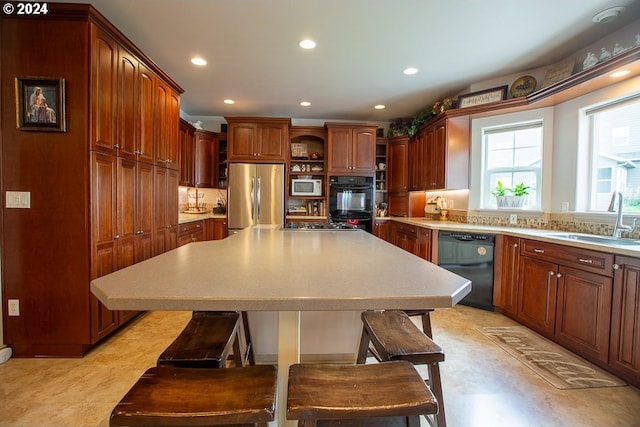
(614, 134)
(512, 154)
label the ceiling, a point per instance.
(362, 48)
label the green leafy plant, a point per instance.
(500, 190)
(520, 190)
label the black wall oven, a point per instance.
(351, 201)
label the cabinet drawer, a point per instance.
(191, 227)
(583, 259)
(410, 230)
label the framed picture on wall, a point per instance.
(40, 104)
(482, 97)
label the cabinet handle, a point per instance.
(538, 251)
(616, 266)
(116, 145)
(117, 237)
(515, 245)
(551, 273)
(586, 260)
(559, 275)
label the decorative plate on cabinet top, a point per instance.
(523, 86)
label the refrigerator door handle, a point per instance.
(259, 196)
(253, 196)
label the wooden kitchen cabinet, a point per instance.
(413, 239)
(165, 236)
(167, 123)
(255, 139)
(351, 148)
(191, 232)
(439, 155)
(565, 293)
(507, 260)
(216, 229)
(398, 168)
(186, 153)
(625, 320)
(382, 229)
(205, 155)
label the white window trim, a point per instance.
(477, 173)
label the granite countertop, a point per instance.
(530, 233)
(289, 270)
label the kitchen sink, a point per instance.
(590, 238)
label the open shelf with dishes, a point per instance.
(307, 175)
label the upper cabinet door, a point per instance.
(144, 114)
(339, 150)
(126, 119)
(242, 141)
(272, 139)
(254, 139)
(103, 92)
(364, 150)
(351, 148)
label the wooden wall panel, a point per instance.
(46, 248)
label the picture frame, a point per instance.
(483, 97)
(40, 104)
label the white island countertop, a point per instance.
(275, 269)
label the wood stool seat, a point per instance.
(425, 317)
(207, 340)
(384, 394)
(391, 335)
(168, 396)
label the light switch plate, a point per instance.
(18, 199)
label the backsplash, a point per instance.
(207, 197)
(560, 222)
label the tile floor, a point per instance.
(483, 385)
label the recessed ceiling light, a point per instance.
(619, 73)
(607, 15)
(229, 101)
(305, 103)
(380, 107)
(410, 71)
(307, 44)
(196, 60)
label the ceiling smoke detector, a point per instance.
(607, 15)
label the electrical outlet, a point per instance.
(14, 307)
(513, 219)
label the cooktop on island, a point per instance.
(305, 226)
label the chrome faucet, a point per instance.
(619, 227)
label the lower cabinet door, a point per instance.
(537, 295)
(583, 313)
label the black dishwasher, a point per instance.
(470, 255)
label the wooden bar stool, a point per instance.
(208, 339)
(389, 394)
(393, 336)
(167, 396)
(426, 319)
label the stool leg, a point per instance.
(426, 324)
(435, 384)
(249, 356)
(237, 353)
(363, 350)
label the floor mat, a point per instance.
(560, 367)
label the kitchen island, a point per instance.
(272, 269)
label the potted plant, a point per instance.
(515, 199)
(519, 195)
(500, 193)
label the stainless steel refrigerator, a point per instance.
(255, 195)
